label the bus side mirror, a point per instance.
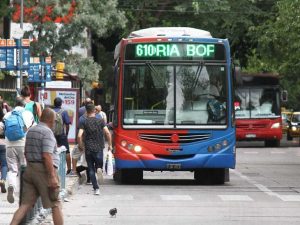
(284, 96)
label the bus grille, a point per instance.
(251, 126)
(182, 138)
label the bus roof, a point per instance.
(170, 32)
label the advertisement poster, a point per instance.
(70, 99)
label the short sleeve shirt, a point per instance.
(93, 134)
(41, 139)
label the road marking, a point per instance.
(277, 152)
(117, 197)
(235, 198)
(290, 198)
(176, 197)
(250, 152)
(267, 190)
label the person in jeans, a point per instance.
(93, 129)
(40, 178)
(63, 138)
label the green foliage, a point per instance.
(4, 9)
(91, 17)
(279, 45)
(86, 68)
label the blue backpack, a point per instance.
(14, 126)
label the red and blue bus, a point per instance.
(173, 108)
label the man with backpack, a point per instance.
(16, 124)
(61, 130)
(31, 106)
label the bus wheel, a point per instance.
(272, 143)
(129, 176)
(210, 176)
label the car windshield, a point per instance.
(296, 118)
(257, 103)
(153, 92)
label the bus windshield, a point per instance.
(257, 103)
(174, 95)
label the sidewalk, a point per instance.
(7, 210)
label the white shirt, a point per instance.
(28, 122)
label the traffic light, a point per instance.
(60, 66)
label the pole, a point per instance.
(21, 51)
(19, 55)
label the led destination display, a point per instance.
(175, 51)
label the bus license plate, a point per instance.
(174, 166)
(250, 135)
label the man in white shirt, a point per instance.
(15, 150)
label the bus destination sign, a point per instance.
(175, 51)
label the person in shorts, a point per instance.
(40, 178)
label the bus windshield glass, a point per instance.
(174, 95)
(257, 103)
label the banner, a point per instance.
(70, 98)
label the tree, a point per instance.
(279, 46)
(59, 25)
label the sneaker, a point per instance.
(72, 174)
(10, 194)
(2, 186)
(100, 176)
(89, 182)
(97, 192)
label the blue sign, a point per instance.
(2, 58)
(26, 58)
(48, 68)
(34, 72)
(10, 59)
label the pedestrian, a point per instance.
(101, 113)
(77, 152)
(32, 106)
(15, 147)
(4, 105)
(3, 162)
(61, 131)
(92, 129)
(82, 109)
(40, 178)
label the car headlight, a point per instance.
(275, 125)
(294, 128)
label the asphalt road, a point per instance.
(264, 189)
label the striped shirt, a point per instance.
(41, 139)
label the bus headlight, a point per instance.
(137, 148)
(217, 147)
(123, 143)
(225, 143)
(275, 125)
(130, 147)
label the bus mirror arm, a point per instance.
(284, 96)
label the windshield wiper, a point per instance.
(197, 75)
(152, 68)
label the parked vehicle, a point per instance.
(294, 126)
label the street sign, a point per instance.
(11, 60)
(39, 71)
(25, 54)
(10, 54)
